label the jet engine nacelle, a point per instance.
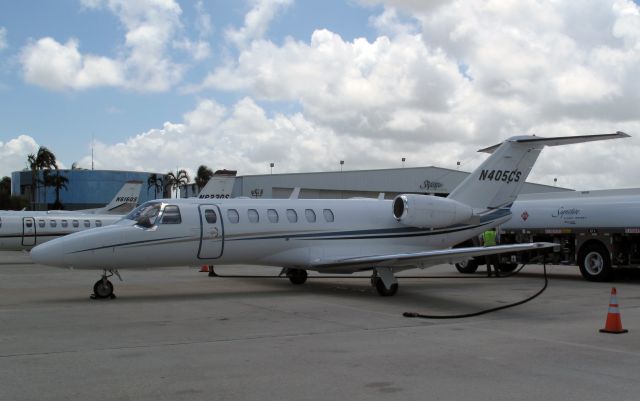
(429, 211)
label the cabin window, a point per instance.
(0, 221)
(328, 215)
(272, 215)
(98, 223)
(210, 216)
(64, 223)
(75, 223)
(41, 223)
(53, 223)
(28, 223)
(292, 216)
(171, 215)
(310, 215)
(253, 215)
(233, 216)
(87, 223)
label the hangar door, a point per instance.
(211, 232)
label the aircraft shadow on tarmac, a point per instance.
(414, 294)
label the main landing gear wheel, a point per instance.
(382, 290)
(103, 289)
(595, 264)
(297, 276)
(468, 266)
(506, 267)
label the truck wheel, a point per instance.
(595, 264)
(507, 267)
(468, 266)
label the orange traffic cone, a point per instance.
(613, 324)
(204, 269)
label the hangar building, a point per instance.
(86, 189)
(94, 188)
(356, 183)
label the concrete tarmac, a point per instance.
(177, 334)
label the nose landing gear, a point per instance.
(103, 288)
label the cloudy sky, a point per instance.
(165, 84)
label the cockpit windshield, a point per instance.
(146, 214)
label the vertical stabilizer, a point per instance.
(218, 187)
(499, 180)
(125, 200)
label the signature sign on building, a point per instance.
(431, 185)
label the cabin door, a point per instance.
(28, 231)
(211, 232)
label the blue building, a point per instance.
(86, 189)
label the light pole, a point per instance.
(271, 165)
(403, 160)
(341, 164)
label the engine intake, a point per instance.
(429, 211)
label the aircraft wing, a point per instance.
(420, 259)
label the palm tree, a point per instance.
(33, 166)
(46, 161)
(58, 182)
(5, 186)
(203, 176)
(176, 180)
(43, 160)
(156, 182)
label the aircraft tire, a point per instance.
(468, 266)
(507, 267)
(595, 263)
(103, 289)
(297, 276)
(382, 290)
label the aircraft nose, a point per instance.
(50, 253)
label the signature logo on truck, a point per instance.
(562, 212)
(569, 215)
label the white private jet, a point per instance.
(22, 230)
(323, 235)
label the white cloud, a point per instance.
(433, 87)
(153, 29)
(56, 66)
(256, 21)
(3, 38)
(475, 72)
(389, 23)
(203, 24)
(357, 87)
(13, 154)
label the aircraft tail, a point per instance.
(220, 186)
(498, 181)
(125, 200)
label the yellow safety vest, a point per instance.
(489, 238)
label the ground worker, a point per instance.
(489, 238)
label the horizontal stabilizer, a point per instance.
(558, 141)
